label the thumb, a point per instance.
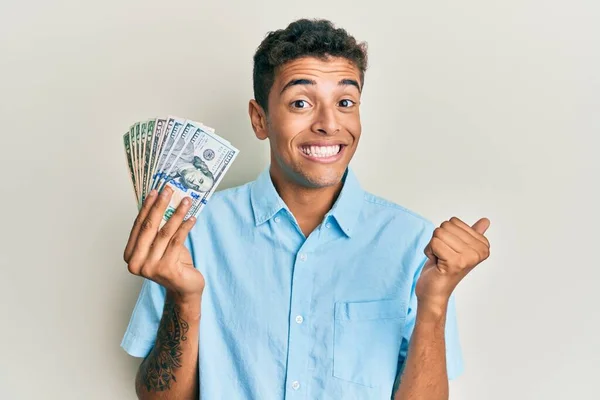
(481, 226)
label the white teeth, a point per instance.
(321, 151)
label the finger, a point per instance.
(135, 229)
(150, 224)
(472, 243)
(168, 230)
(481, 226)
(177, 241)
(453, 241)
(442, 250)
(470, 231)
(462, 233)
(429, 253)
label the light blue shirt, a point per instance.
(290, 317)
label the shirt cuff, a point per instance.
(136, 346)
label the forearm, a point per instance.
(425, 375)
(170, 371)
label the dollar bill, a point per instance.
(138, 152)
(175, 150)
(159, 130)
(197, 170)
(174, 126)
(134, 158)
(167, 130)
(143, 131)
(147, 145)
(128, 156)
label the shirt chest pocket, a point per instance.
(367, 337)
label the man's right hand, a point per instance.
(160, 254)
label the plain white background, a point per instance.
(471, 108)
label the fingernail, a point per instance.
(152, 193)
(185, 201)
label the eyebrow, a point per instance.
(304, 81)
(352, 82)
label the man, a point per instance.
(299, 285)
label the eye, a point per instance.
(300, 104)
(346, 103)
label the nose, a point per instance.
(326, 122)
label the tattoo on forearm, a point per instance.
(158, 371)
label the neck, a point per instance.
(308, 205)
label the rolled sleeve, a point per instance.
(143, 325)
(140, 336)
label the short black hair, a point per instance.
(317, 38)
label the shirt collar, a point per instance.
(265, 199)
(347, 207)
(266, 202)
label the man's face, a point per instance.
(313, 122)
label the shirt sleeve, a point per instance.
(454, 359)
(143, 325)
(142, 329)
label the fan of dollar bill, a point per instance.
(182, 154)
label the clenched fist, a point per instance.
(160, 254)
(454, 250)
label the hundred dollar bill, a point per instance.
(174, 126)
(127, 143)
(134, 158)
(137, 147)
(159, 129)
(170, 120)
(187, 131)
(143, 126)
(178, 147)
(197, 170)
(167, 130)
(132, 152)
(143, 131)
(147, 148)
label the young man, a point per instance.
(299, 285)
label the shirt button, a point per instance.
(303, 257)
(328, 225)
(299, 319)
(295, 385)
(277, 219)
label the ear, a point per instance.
(258, 119)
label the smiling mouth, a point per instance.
(322, 151)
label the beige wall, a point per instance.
(471, 108)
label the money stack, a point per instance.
(182, 154)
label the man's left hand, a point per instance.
(454, 250)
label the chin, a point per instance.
(322, 179)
